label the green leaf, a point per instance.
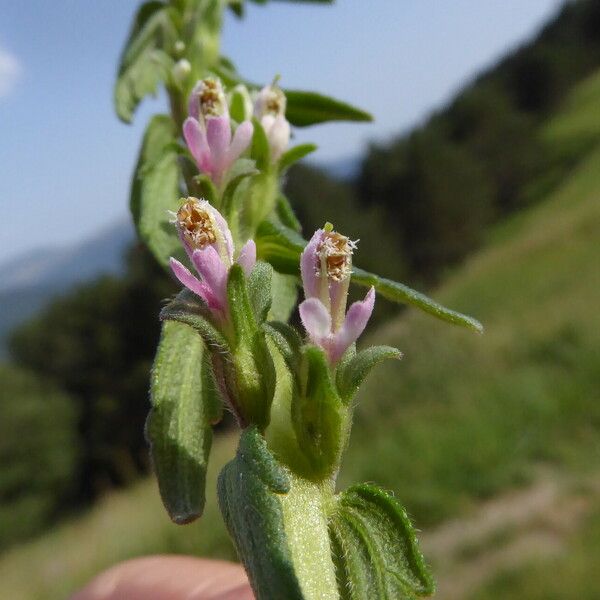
(207, 188)
(295, 154)
(318, 415)
(398, 292)
(375, 548)
(288, 341)
(178, 428)
(155, 190)
(310, 108)
(261, 151)
(144, 60)
(188, 309)
(249, 488)
(350, 374)
(285, 296)
(241, 169)
(250, 373)
(279, 245)
(259, 289)
(285, 213)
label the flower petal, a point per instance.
(195, 138)
(279, 137)
(308, 266)
(209, 265)
(241, 140)
(247, 257)
(316, 320)
(189, 281)
(194, 101)
(356, 320)
(218, 134)
(223, 227)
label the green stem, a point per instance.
(305, 510)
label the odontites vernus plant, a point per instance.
(208, 201)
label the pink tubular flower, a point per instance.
(269, 109)
(208, 242)
(326, 266)
(207, 130)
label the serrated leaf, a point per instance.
(155, 190)
(178, 428)
(144, 60)
(318, 415)
(310, 108)
(259, 289)
(375, 548)
(398, 292)
(295, 154)
(350, 374)
(248, 490)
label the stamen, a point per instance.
(195, 224)
(211, 98)
(275, 102)
(334, 255)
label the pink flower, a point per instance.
(326, 267)
(269, 109)
(208, 242)
(207, 130)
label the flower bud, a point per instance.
(269, 109)
(181, 71)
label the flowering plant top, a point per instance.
(236, 247)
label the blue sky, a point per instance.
(66, 161)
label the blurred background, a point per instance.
(479, 182)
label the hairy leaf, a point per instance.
(398, 292)
(155, 190)
(178, 428)
(351, 373)
(375, 548)
(248, 489)
(145, 61)
(318, 415)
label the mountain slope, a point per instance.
(30, 281)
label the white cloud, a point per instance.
(10, 70)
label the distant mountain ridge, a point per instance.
(31, 280)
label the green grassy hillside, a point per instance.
(461, 419)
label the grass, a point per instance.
(463, 418)
(574, 574)
(468, 416)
